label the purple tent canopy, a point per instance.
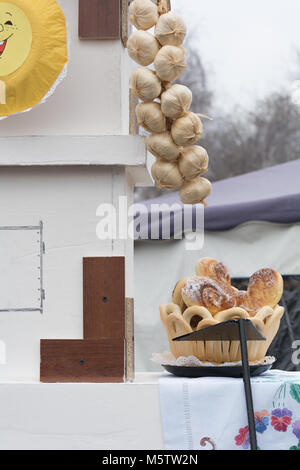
(271, 195)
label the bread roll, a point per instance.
(143, 14)
(195, 191)
(145, 84)
(176, 101)
(142, 47)
(170, 62)
(265, 288)
(193, 162)
(170, 29)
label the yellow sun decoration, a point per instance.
(33, 52)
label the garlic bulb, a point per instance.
(151, 117)
(142, 47)
(170, 29)
(187, 129)
(143, 14)
(193, 162)
(145, 84)
(170, 62)
(162, 146)
(176, 101)
(195, 191)
(166, 175)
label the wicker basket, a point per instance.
(267, 320)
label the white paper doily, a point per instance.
(166, 358)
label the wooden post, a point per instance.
(133, 124)
(129, 369)
(125, 22)
(163, 6)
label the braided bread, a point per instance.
(208, 267)
(208, 293)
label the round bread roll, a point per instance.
(195, 191)
(170, 29)
(265, 288)
(166, 174)
(143, 14)
(193, 162)
(170, 62)
(151, 117)
(176, 101)
(145, 84)
(162, 146)
(142, 47)
(187, 129)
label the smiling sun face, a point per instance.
(33, 52)
(15, 38)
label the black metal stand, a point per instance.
(234, 330)
(247, 385)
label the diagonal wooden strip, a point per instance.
(129, 369)
(125, 27)
(133, 123)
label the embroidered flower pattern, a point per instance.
(296, 428)
(262, 421)
(278, 420)
(242, 439)
(281, 419)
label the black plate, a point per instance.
(226, 371)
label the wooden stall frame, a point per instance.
(106, 353)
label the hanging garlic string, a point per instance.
(164, 110)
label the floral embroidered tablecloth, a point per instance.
(210, 413)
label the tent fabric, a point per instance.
(283, 210)
(271, 195)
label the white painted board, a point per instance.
(20, 274)
(80, 416)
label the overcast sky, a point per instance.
(248, 45)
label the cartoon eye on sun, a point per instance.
(5, 27)
(15, 37)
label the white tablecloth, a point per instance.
(210, 413)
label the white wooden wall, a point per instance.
(66, 200)
(79, 157)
